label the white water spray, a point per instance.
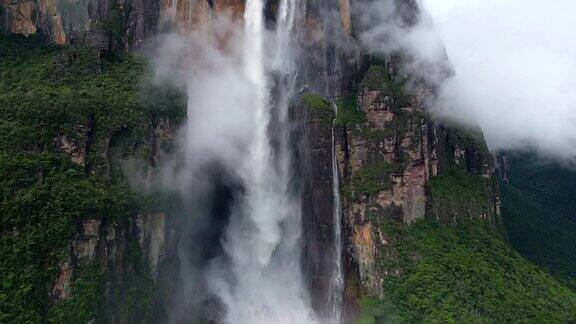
(337, 280)
(238, 108)
(263, 281)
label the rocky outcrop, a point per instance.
(345, 16)
(152, 239)
(128, 255)
(392, 156)
(394, 159)
(76, 150)
(502, 162)
(18, 16)
(109, 246)
(62, 287)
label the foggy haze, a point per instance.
(515, 64)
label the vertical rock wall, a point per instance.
(388, 154)
(108, 24)
(120, 24)
(110, 245)
(313, 118)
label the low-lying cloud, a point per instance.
(514, 63)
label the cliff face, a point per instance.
(395, 161)
(313, 117)
(91, 240)
(108, 24)
(400, 169)
(133, 255)
(100, 23)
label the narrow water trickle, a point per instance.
(337, 280)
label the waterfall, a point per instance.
(260, 279)
(239, 92)
(337, 280)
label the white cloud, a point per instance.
(515, 63)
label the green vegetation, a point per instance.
(348, 111)
(115, 21)
(87, 294)
(396, 99)
(42, 196)
(320, 107)
(539, 213)
(373, 178)
(47, 92)
(374, 310)
(458, 195)
(469, 139)
(464, 275)
(315, 101)
(375, 78)
(455, 265)
(378, 78)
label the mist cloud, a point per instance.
(255, 276)
(207, 63)
(514, 63)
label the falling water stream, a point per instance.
(263, 281)
(258, 278)
(337, 280)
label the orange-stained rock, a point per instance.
(366, 253)
(191, 14)
(22, 16)
(345, 15)
(58, 34)
(234, 8)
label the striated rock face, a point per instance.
(502, 162)
(152, 239)
(18, 16)
(108, 245)
(62, 287)
(345, 15)
(86, 241)
(234, 8)
(121, 24)
(395, 160)
(312, 138)
(391, 155)
(109, 24)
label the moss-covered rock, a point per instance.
(318, 108)
(373, 178)
(348, 112)
(457, 197)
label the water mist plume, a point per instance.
(257, 277)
